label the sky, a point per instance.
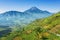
(22, 5)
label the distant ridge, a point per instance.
(33, 9)
(36, 10)
(22, 18)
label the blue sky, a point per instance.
(22, 5)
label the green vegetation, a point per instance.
(41, 29)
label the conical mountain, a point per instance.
(33, 10)
(36, 10)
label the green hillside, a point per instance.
(46, 23)
(49, 25)
(41, 29)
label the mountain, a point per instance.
(33, 10)
(11, 13)
(11, 18)
(37, 13)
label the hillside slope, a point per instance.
(51, 21)
(48, 27)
